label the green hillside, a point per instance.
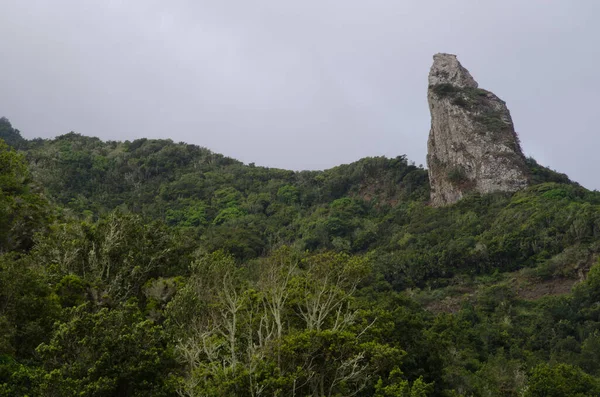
(154, 268)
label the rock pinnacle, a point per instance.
(472, 145)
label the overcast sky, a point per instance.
(299, 84)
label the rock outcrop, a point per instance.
(472, 144)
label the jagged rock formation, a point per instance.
(472, 144)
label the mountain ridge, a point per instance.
(135, 250)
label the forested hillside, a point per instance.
(154, 268)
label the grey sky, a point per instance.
(299, 84)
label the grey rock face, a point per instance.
(472, 144)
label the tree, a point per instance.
(28, 307)
(11, 136)
(22, 213)
(561, 380)
(111, 352)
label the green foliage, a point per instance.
(465, 97)
(292, 330)
(288, 194)
(107, 353)
(399, 387)
(28, 306)
(492, 121)
(115, 256)
(228, 214)
(23, 213)
(161, 269)
(445, 89)
(72, 290)
(14, 174)
(561, 381)
(477, 100)
(11, 136)
(188, 213)
(457, 176)
(471, 98)
(539, 174)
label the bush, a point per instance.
(445, 89)
(457, 176)
(561, 380)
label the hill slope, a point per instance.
(150, 267)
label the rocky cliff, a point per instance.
(472, 144)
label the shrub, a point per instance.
(457, 176)
(445, 89)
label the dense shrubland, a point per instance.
(150, 268)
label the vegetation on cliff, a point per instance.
(472, 146)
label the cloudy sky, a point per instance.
(299, 84)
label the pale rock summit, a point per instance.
(472, 144)
(447, 70)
